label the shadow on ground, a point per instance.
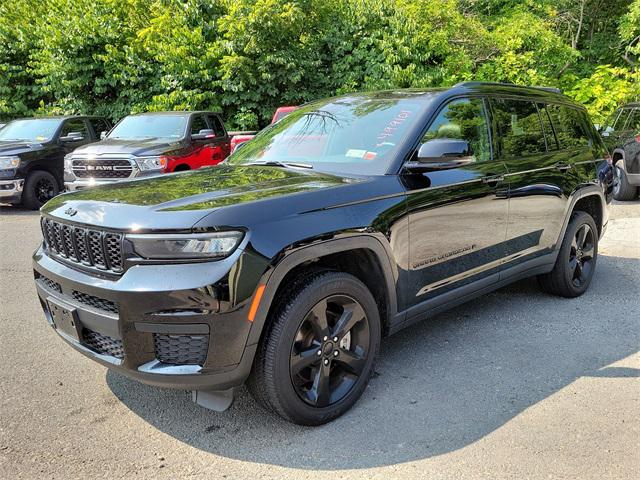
(439, 386)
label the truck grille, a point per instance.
(181, 349)
(103, 344)
(85, 246)
(102, 168)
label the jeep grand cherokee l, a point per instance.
(32, 152)
(149, 144)
(622, 135)
(348, 220)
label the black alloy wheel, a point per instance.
(45, 190)
(581, 256)
(330, 350)
(39, 187)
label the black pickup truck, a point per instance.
(346, 221)
(32, 152)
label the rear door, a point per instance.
(221, 142)
(537, 198)
(457, 217)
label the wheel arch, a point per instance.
(618, 157)
(589, 199)
(356, 253)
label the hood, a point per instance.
(178, 201)
(16, 148)
(137, 147)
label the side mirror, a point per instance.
(72, 137)
(441, 154)
(103, 134)
(203, 134)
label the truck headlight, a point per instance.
(9, 162)
(146, 164)
(213, 245)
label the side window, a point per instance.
(198, 123)
(569, 127)
(621, 121)
(99, 125)
(552, 144)
(216, 124)
(463, 119)
(75, 125)
(634, 120)
(519, 129)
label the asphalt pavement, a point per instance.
(516, 384)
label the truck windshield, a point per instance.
(357, 134)
(150, 126)
(30, 130)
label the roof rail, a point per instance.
(506, 84)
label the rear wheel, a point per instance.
(622, 189)
(318, 354)
(576, 260)
(39, 188)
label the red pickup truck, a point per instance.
(241, 137)
(149, 144)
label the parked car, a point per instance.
(350, 219)
(238, 138)
(148, 144)
(621, 134)
(32, 151)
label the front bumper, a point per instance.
(163, 325)
(11, 190)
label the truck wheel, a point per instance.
(39, 188)
(576, 260)
(622, 190)
(317, 355)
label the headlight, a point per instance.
(186, 246)
(9, 162)
(151, 163)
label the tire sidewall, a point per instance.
(320, 288)
(29, 195)
(578, 221)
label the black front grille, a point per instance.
(103, 344)
(82, 245)
(95, 302)
(48, 283)
(181, 349)
(102, 168)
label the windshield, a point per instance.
(31, 130)
(150, 126)
(354, 134)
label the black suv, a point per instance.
(348, 220)
(32, 152)
(622, 135)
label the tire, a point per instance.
(39, 188)
(622, 189)
(290, 377)
(576, 262)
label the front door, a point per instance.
(457, 217)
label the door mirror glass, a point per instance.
(203, 134)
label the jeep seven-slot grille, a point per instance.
(86, 246)
(102, 168)
(103, 344)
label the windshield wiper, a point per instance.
(276, 163)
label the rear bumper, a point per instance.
(161, 325)
(11, 190)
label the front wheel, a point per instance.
(576, 262)
(39, 188)
(317, 355)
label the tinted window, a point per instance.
(74, 126)
(36, 130)
(634, 120)
(216, 124)
(151, 126)
(552, 144)
(463, 120)
(99, 125)
(569, 126)
(198, 123)
(519, 128)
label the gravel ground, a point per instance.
(516, 384)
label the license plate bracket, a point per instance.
(65, 318)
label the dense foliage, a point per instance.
(246, 57)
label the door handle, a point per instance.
(563, 167)
(492, 179)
